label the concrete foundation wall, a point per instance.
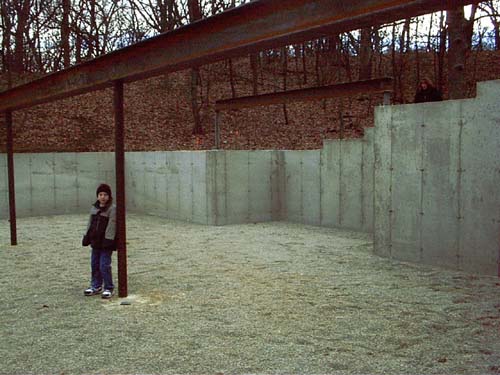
(319, 187)
(425, 181)
(332, 186)
(168, 184)
(54, 183)
(245, 186)
(437, 178)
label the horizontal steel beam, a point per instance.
(254, 26)
(309, 94)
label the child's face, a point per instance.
(103, 198)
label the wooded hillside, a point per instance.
(454, 48)
(158, 112)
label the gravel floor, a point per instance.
(263, 298)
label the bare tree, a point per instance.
(65, 33)
(284, 70)
(491, 8)
(365, 53)
(159, 15)
(7, 30)
(254, 66)
(194, 15)
(460, 35)
(441, 51)
(22, 10)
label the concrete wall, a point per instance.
(245, 186)
(213, 187)
(331, 187)
(437, 179)
(425, 181)
(168, 184)
(54, 183)
(319, 187)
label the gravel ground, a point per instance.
(262, 298)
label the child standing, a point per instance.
(100, 235)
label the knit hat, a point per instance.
(103, 188)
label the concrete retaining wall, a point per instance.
(425, 181)
(437, 182)
(332, 186)
(319, 187)
(245, 186)
(54, 183)
(168, 184)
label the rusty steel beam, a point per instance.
(309, 94)
(121, 228)
(254, 26)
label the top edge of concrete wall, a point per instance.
(484, 90)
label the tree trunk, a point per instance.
(195, 107)
(22, 10)
(441, 52)
(365, 54)
(417, 53)
(231, 78)
(284, 56)
(255, 75)
(171, 19)
(304, 64)
(396, 62)
(6, 46)
(65, 31)
(93, 30)
(459, 46)
(35, 60)
(194, 15)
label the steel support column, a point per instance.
(120, 189)
(10, 172)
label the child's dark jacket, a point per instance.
(101, 228)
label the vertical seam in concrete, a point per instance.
(208, 196)
(192, 187)
(216, 186)
(77, 180)
(248, 187)
(321, 185)
(165, 179)
(459, 193)
(154, 194)
(362, 190)
(271, 193)
(422, 184)
(301, 186)
(54, 202)
(283, 185)
(31, 183)
(144, 172)
(156, 178)
(179, 185)
(391, 167)
(166, 183)
(341, 207)
(225, 187)
(271, 185)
